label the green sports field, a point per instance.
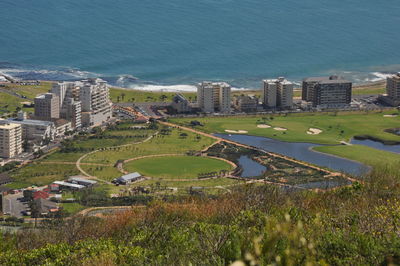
(176, 167)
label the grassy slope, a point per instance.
(8, 103)
(158, 145)
(364, 154)
(176, 166)
(336, 128)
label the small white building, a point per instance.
(127, 179)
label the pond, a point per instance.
(377, 145)
(250, 167)
(302, 152)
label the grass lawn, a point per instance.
(42, 174)
(30, 91)
(363, 154)
(161, 144)
(72, 208)
(335, 126)
(107, 173)
(178, 167)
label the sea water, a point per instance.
(172, 44)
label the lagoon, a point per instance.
(302, 152)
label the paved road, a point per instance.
(13, 206)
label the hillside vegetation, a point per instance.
(256, 225)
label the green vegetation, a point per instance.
(41, 174)
(139, 96)
(254, 225)
(168, 141)
(364, 154)
(176, 167)
(10, 103)
(335, 127)
(72, 208)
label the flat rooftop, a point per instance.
(30, 122)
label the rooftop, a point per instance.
(66, 184)
(327, 80)
(5, 124)
(130, 176)
(30, 122)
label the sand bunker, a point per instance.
(263, 126)
(236, 131)
(314, 131)
(280, 128)
(390, 115)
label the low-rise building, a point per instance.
(127, 179)
(245, 103)
(37, 131)
(62, 127)
(69, 186)
(81, 181)
(180, 104)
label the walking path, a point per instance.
(331, 173)
(79, 161)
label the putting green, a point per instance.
(176, 167)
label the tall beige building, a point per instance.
(47, 106)
(70, 105)
(10, 139)
(214, 97)
(393, 87)
(96, 104)
(278, 93)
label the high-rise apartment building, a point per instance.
(214, 97)
(327, 92)
(84, 103)
(278, 93)
(96, 104)
(393, 87)
(70, 105)
(10, 139)
(47, 106)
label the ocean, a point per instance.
(172, 45)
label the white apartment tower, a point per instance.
(10, 139)
(214, 97)
(278, 93)
(96, 104)
(70, 105)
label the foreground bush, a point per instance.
(255, 225)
